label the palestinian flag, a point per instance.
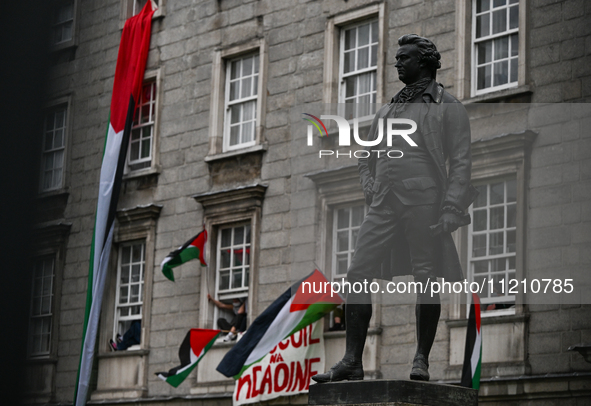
(129, 74)
(196, 343)
(194, 248)
(295, 309)
(473, 351)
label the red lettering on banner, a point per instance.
(291, 369)
(313, 340)
(255, 392)
(244, 379)
(296, 344)
(301, 376)
(281, 367)
(267, 380)
(283, 346)
(312, 372)
(276, 358)
(306, 335)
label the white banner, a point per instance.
(286, 370)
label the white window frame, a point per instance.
(217, 111)
(242, 291)
(254, 77)
(73, 40)
(130, 8)
(154, 167)
(334, 50)
(506, 255)
(60, 104)
(140, 126)
(117, 317)
(337, 277)
(41, 316)
(491, 37)
(357, 73)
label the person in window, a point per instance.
(238, 323)
(131, 337)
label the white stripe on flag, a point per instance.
(279, 328)
(93, 319)
(476, 353)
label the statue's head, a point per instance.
(416, 58)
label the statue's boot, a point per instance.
(427, 318)
(350, 368)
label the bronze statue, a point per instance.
(407, 197)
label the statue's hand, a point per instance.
(449, 222)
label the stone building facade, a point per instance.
(218, 144)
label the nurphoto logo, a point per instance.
(394, 127)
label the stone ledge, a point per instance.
(391, 393)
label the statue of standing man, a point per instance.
(406, 197)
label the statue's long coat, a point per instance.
(445, 128)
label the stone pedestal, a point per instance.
(391, 393)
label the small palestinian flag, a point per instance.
(473, 351)
(295, 309)
(194, 248)
(196, 343)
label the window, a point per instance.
(130, 285)
(41, 317)
(358, 64)
(492, 242)
(495, 40)
(241, 102)
(142, 131)
(346, 223)
(63, 23)
(233, 262)
(130, 8)
(54, 142)
(354, 57)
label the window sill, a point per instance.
(71, 44)
(238, 152)
(122, 354)
(61, 192)
(154, 170)
(41, 360)
(500, 319)
(500, 94)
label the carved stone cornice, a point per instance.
(336, 181)
(137, 221)
(242, 198)
(51, 234)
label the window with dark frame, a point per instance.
(130, 286)
(54, 144)
(41, 313)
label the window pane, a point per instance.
(349, 61)
(482, 196)
(479, 220)
(499, 21)
(124, 274)
(480, 267)
(482, 5)
(363, 35)
(479, 245)
(511, 215)
(514, 17)
(225, 258)
(247, 132)
(497, 218)
(247, 66)
(374, 32)
(498, 264)
(350, 86)
(496, 244)
(342, 218)
(501, 73)
(236, 279)
(357, 215)
(364, 84)
(235, 70)
(247, 232)
(256, 64)
(342, 263)
(497, 193)
(350, 38)
(342, 241)
(246, 87)
(484, 52)
(136, 272)
(374, 56)
(234, 90)
(511, 241)
(123, 293)
(484, 77)
(238, 257)
(514, 44)
(514, 70)
(501, 48)
(498, 3)
(363, 58)
(226, 237)
(224, 280)
(238, 235)
(482, 25)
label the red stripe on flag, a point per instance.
(131, 64)
(476, 300)
(200, 338)
(305, 295)
(199, 242)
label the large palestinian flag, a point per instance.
(194, 248)
(129, 73)
(295, 309)
(196, 343)
(473, 350)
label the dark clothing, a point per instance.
(131, 337)
(239, 321)
(396, 234)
